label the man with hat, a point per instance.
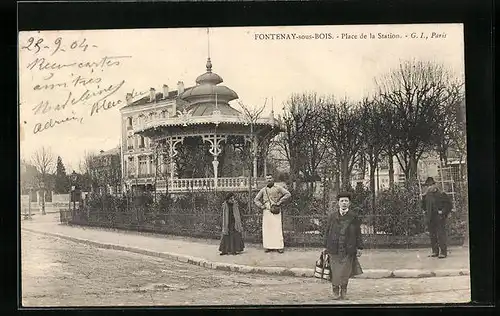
(436, 206)
(270, 199)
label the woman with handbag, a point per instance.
(343, 244)
(232, 230)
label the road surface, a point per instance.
(57, 272)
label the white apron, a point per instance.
(272, 230)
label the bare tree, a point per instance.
(374, 130)
(414, 92)
(250, 118)
(450, 132)
(44, 161)
(343, 132)
(249, 153)
(302, 142)
(87, 166)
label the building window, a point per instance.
(143, 165)
(129, 123)
(141, 142)
(141, 119)
(130, 142)
(131, 166)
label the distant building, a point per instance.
(106, 171)
(429, 166)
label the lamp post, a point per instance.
(74, 177)
(28, 216)
(42, 186)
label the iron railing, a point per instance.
(379, 231)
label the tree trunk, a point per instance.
(344, 169)
(372, 179)
(391, 170)
(412, 168)
(373, 166)
(43, 202)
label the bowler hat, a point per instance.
(429, 181)
(344, 194)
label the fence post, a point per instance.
(407, 232)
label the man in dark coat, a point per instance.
(343, 244)
(436, 206)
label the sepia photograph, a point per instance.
(240, 166)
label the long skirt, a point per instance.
(272, 230)
(343, 268)
(232, 242)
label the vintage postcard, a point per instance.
(282, 165)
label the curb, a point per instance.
(281, 271)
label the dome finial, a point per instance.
(209, 63)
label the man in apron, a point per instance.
(269, 199)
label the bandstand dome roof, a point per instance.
(206, 109)
(207, 85)
(223, 93)
(209, 76)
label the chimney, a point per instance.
(165, 91)
(152, 95)
(180, 87)
(129, 98)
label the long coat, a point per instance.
(433, 201)
(347, 243)
(225, 218)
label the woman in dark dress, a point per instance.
(232, 230)
(343, 244)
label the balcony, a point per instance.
(200, 184)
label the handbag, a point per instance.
(323, 270)
(275, 209)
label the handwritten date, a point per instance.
(59, 45)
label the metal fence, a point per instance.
(379, 231)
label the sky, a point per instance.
(79, 68)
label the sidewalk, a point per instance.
(376, 263)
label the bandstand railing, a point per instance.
(200, 184)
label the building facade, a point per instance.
(106, 171)
(429, 166)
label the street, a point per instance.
(57, 272)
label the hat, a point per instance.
(344, 194)
(229, 195)
(429, 181)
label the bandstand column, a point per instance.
(148, 164)
(162, 165)
(215, 150)
(173, 141)
(136, 159)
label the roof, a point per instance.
(114, 151)
(223, 93)
(207, 109)
(209, 77)
(159, 97)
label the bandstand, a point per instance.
(199, 115)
